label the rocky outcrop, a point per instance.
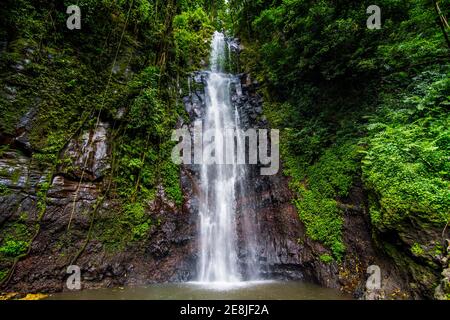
(87, 156)
(43, 219)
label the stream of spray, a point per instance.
(221, 184)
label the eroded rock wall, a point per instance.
(58, 222)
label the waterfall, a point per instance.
(221, 184)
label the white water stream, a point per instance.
(219, 182)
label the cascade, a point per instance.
(221, 184)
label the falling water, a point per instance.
(219, 182)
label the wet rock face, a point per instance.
(282, 249)
(167, 255)
(88, 154)
(23, 128)
(268, 200)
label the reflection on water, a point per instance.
(269, 290)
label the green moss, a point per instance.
(124, 228)
(326, 258)
(318, 185)
(16, 236)
(15, 176)
(171, 182)
(4, 190)
(42, 196)
(417, 250)
(13, 248)
(401, 153)
(134, 215)
(15, 239)
(170, 176)
(322, 220)
(438, 249)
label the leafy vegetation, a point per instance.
(16, 239)
(417, 249)
(355, 105)
(407, 160)
(125, 227)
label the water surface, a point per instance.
(255, 290)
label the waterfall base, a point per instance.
(265, 290)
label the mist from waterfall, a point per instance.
(222, 184)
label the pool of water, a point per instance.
(258, 290)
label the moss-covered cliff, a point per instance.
(365, 118)
(93, 110)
